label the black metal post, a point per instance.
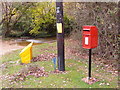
(89, 68)
(60, 36)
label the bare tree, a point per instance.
(6, 17)
(105, 17)
(9, 12)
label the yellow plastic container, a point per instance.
(26, 54)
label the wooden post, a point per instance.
(60, 35)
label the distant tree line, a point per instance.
(30, 19)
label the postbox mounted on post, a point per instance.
(90, 37)
(89, 41)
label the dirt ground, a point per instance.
(8, 46)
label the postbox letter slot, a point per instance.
(86, 29)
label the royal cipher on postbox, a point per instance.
(90, 37)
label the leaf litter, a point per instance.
(44, 57)
(31, 70)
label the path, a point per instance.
(8, 46)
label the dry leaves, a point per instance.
(30, 70)
(90, 81)
(44, 57)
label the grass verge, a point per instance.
(76, 69)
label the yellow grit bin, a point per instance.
(26, 54)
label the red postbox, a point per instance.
(90, 37)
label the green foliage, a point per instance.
(68, 22)
(37, 19)
(24, 23)
(43, 18)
